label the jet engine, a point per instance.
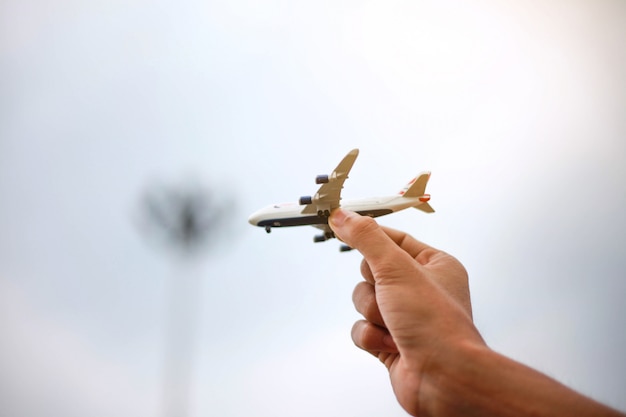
(319, 238)
(306, 200)
(321, 179)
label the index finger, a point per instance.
(418, 250)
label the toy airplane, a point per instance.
(317, 208)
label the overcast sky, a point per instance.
(516, 107)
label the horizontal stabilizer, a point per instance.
(425, 207)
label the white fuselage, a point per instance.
(290, 214)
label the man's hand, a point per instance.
(415, 300)
(418, 322)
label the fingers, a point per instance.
(364, 298)
(386, 260)
(372, 338)
(363, 234)
(419, 251)
(447, 271)
(366, 272)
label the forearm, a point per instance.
(476, 381)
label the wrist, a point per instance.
(473, 380)
(449, 381)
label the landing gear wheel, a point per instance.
(326, 213)
(268, 229)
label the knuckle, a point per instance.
(364, 227)
(363, 334)
(359, 292)
(364, 298)
(357, 333)
(366, 271)
(389, 268)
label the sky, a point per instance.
(516, 107)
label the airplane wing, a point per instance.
(329, 194)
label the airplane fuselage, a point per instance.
(290, 214)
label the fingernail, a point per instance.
(339, 216)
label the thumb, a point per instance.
(365, 235)
(398, 278)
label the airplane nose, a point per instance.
(254, 218)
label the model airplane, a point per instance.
(317, 208)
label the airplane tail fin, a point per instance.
(416, 188)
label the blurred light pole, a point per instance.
(185, 220)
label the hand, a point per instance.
(418, 322)
(416, 304)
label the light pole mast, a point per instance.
(185, 219)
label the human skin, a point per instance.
(418, 322)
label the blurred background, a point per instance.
(136, 137)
